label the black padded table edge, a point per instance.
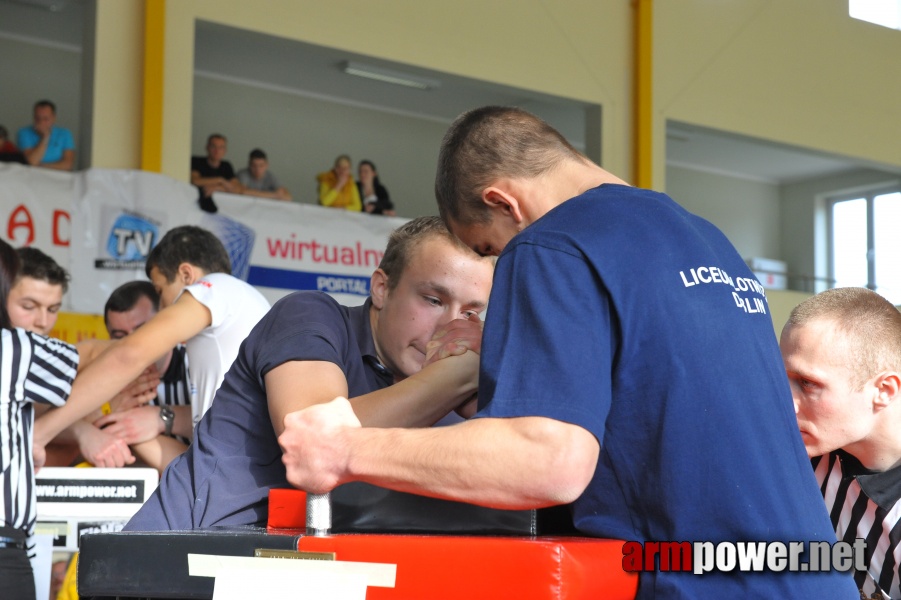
(155, 564)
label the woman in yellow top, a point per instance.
(337, 188)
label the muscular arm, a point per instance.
(159, 452)
(418, 401)
(519, 463)
(123, 361)
(89, 350)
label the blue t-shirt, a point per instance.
(225, 476)
(622, 313)
(60, 141)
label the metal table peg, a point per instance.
(319, 514)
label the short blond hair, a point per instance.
(870, 324)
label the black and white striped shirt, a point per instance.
(32, 369)
(865, 504)
(175, 384)
(175, 387)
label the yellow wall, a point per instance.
(578, 50)
(118, 51)
(76, 327)
(781, 304)
(800, 71)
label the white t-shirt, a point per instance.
(235, 307)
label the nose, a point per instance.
(449, 315)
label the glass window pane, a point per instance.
(849, 242)
(881, 12)
(887, 245)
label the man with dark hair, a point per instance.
(259, 181)
(629, 368)
(43, 143)
(37, 293)
(842, 352)
(310, 348)
(128, 307)
(202, 304)
(212, 173)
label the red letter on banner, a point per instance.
(57, 215)
(15, 224)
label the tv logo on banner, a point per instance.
(130, 237)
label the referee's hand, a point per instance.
(39, 455)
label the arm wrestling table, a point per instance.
(435, 567)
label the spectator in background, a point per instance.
(37, 293)
(43, 143)
(259, 181)
(337, 188)
(8, 151)
(373, 194)
(6, 145)
(212, 173)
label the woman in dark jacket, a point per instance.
(373, 194)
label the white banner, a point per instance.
(117, 216)
(300, 247)
(35, 208)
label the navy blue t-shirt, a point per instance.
(225, 476)
(622, 313)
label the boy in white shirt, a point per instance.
(201, 303)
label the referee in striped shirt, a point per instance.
(33, 370)
(842, 352)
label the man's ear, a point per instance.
(378, 288)
(188, 273)
(888, 389)
(499, 198)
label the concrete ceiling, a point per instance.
(295, 67)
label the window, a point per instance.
(881, 12)
(865, 243)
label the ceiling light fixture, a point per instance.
(389, 76)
